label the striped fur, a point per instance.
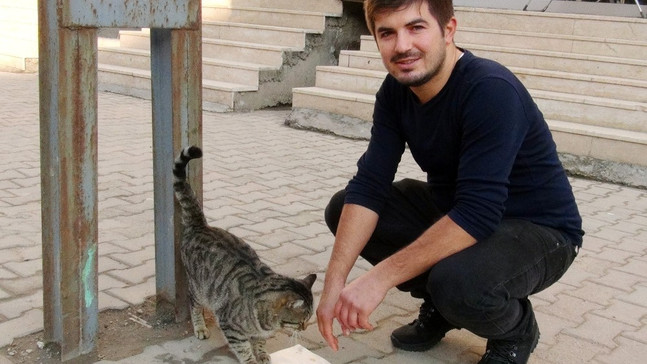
(225, 275)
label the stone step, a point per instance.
(264, 34)
(594, 111)
(328, 7)
(602, 27)
(312, 21)
(353, 104)
(231, 50)
(583, 84)
(135, 39)
(349, 79)
(563, 62)
(607, 144)
(632, 49)
(125, 57)
(137, 82)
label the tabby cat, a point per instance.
(225, 275)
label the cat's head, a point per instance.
(292, 307)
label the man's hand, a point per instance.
(326, 313)
(351, 306)
(358, 300)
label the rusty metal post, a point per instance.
(68, 122)
(176, 70)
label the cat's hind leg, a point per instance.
(197, 320)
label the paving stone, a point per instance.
(637, 297)
(636, 267)
(22, 285)
(108, 302)
(599, 330)
(572, 350)
(134, 294)
(349, 350)
(550, 326)
(30, 322)
(135, 258)
(622, 312)
(136, 274)
(26, 268)
(618, 279)
(638, 335)
(269, 225)
(286, 252)
(570, 308)
(597, 293)
(628, 351)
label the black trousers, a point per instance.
(483, 288)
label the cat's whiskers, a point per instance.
(295, 338)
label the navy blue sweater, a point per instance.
(484, 144)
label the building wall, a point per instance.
(19, 35)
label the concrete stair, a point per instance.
(254, 52)
(588, 74)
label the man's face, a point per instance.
(411, 43)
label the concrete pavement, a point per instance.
(269, 184)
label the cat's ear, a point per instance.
(297, 304)
(309, 280)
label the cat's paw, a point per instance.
(263, 358)
(201, 333)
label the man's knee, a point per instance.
(457, 294)
(333, 210)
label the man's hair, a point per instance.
(442, 10)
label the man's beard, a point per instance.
(422, 78)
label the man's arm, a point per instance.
(360, 298)
(356, 225)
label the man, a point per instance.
(496, 219)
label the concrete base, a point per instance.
(329, 123)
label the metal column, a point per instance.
(68, 124)
(177, 108)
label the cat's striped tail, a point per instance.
(191, 210)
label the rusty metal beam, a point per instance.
(68, 122)
(176, 70)
(165, 14)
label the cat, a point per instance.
(225, 275)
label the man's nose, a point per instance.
(403, 43)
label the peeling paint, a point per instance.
(88, 275)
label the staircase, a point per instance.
(254, 51)
(588, 74)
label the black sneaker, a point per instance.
(422, 333)
(516, 351)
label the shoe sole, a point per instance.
(413, 347)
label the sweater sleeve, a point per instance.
(376, 168)
(494, 125)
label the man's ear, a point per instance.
(450, 30)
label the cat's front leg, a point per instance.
(199, 325)
(240, 345)
(259, 351)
